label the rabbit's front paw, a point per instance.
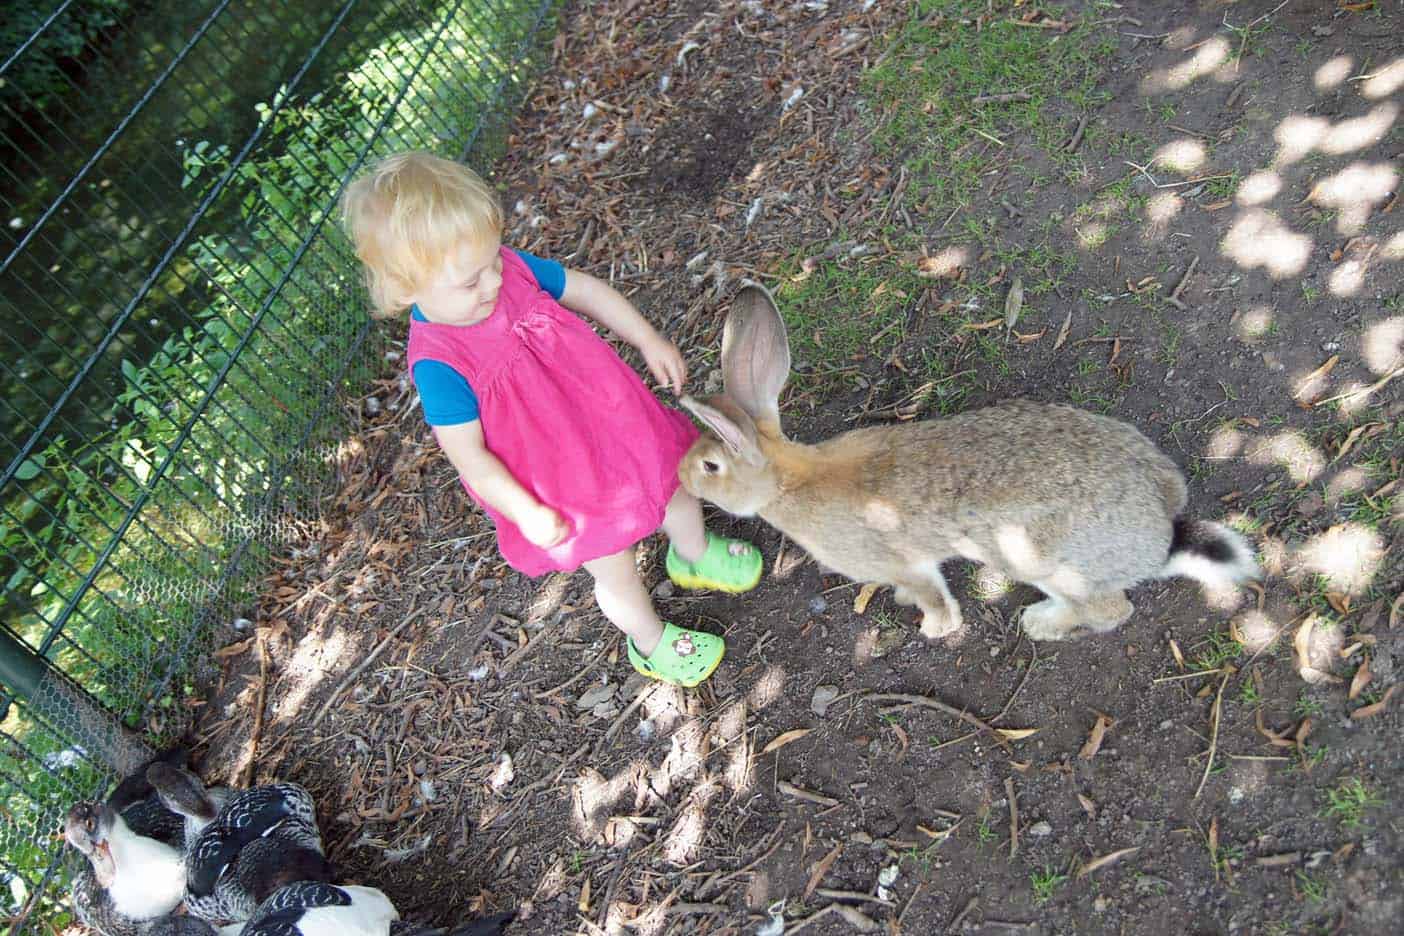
(936, 624)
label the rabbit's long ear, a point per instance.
(735, 429)
(756, 355)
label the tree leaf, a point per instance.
(781, 740)
(1013, 303)
(1360, 680)
(865, 594)
(29, 468)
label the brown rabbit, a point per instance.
(1078, 505)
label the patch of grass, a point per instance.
(940, 62)
(1248, 693)
(1046, 883)
(1214, 651)
(948, 389)
(921, 858)
(1348, 802)
(1313, 888)
(1221, 188)
(1306, 706)
(985, 831)
(841, 313)
(1315, 757)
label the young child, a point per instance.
(550, 431)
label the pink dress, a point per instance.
(567, 417)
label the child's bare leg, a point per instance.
(622, 598)
(682, 522)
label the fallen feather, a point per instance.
(824, 696)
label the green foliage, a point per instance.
(1348, 802)
(39, 76)
(156, 517)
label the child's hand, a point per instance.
(665, 362)
(542, 527)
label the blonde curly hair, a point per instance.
(408, 215)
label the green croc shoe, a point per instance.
(682, 657)
(729, 565)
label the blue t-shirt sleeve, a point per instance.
(444, 393)
(550, 275)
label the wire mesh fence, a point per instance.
(180, 315)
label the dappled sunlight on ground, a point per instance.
(1183, 156)
(945, 263)
(1383, 82)
(1299, 135)
(1394, 247)
(685, 836)
(315, 657)
(1254, 323)
(1256, 630)
(1317, 643)
(1346, 557)
(1332, 72)
(1355, 192)
(1383, 345)
(1208, 58)
(1346, 482)
(768, 688)
(1259, 188)
(1161, 210)
(1289, 450)
(1259, 238)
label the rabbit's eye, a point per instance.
(710, 467)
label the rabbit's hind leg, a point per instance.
(1105, 612)
(940, 612)
(1050, 619)
(1057, 618)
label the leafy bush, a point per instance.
(44, 71)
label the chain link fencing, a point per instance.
(181, 316)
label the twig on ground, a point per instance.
(246, 780)
(928, 702)
(1174, 298)
(789, 789)
(1013, 816)
(360, 668)
(1076, 140)
(1375, 387)
(1001, 98)
(852, 895)
(970, 907)
(1002, 712)
(618, 721)
(604, 651)
(711, 888)
(1214, 729)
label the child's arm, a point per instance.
(601, 302)
(463, 444)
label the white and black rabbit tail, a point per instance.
(1210, 553)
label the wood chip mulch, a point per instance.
(429, 697)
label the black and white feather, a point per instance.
(319, 909)
(264, 838)
(244, 849)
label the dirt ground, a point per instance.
(476, 740)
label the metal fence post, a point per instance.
(59, 701)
